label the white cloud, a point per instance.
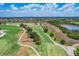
(1, 3)
(48, 9)
(30, 7)
(7, 10)
(67, 7)
(13, 7)
(24, 7)
(1, 10)
(76, 8)
(39, 7)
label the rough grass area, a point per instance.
(47, 47)
(9, 43)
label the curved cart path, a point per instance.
(25, 45)
(68, 49)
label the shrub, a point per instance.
(69, 33)
(35, 38)
(45, 29)
(51, 34)
(77, 52)
(0, 28)
(62, 42)
(29, 30)
(21, 25)
(54, 39)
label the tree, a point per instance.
(54, 39)
(0, 23)
(38, 42)
(0, 28)
(46, 30)
(62, 42)
(21, 25)
(77, 52)
(35, 38)
(29, 29)
(51, 34)
(32, 34)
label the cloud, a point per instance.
(67, 7)
(38, 7)
(33, 7)
(13, 7)
(1, 10)
(77, 8)
(42, 10)
(51, 6)
(7, 10)
(2, 3)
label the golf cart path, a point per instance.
(19, 42)
(69, 52)
(68, 49)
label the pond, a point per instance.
(71, 27)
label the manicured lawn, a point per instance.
(15, 24)
(9, 43)
(75, 23)
(47, 47)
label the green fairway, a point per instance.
(9, 43)
(75, 23)
(15, 24)
(47, 47)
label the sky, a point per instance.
(39, 9)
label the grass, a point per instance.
(15, 24)
(77, 51)
(77, 23)
(50, 50)
(9, 43)
(72, 34)
(47, 47)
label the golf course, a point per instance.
(47, 46)
(8, 43)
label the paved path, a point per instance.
(68, 49)
(19, 42)
(62, 46)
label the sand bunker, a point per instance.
(2, 33)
